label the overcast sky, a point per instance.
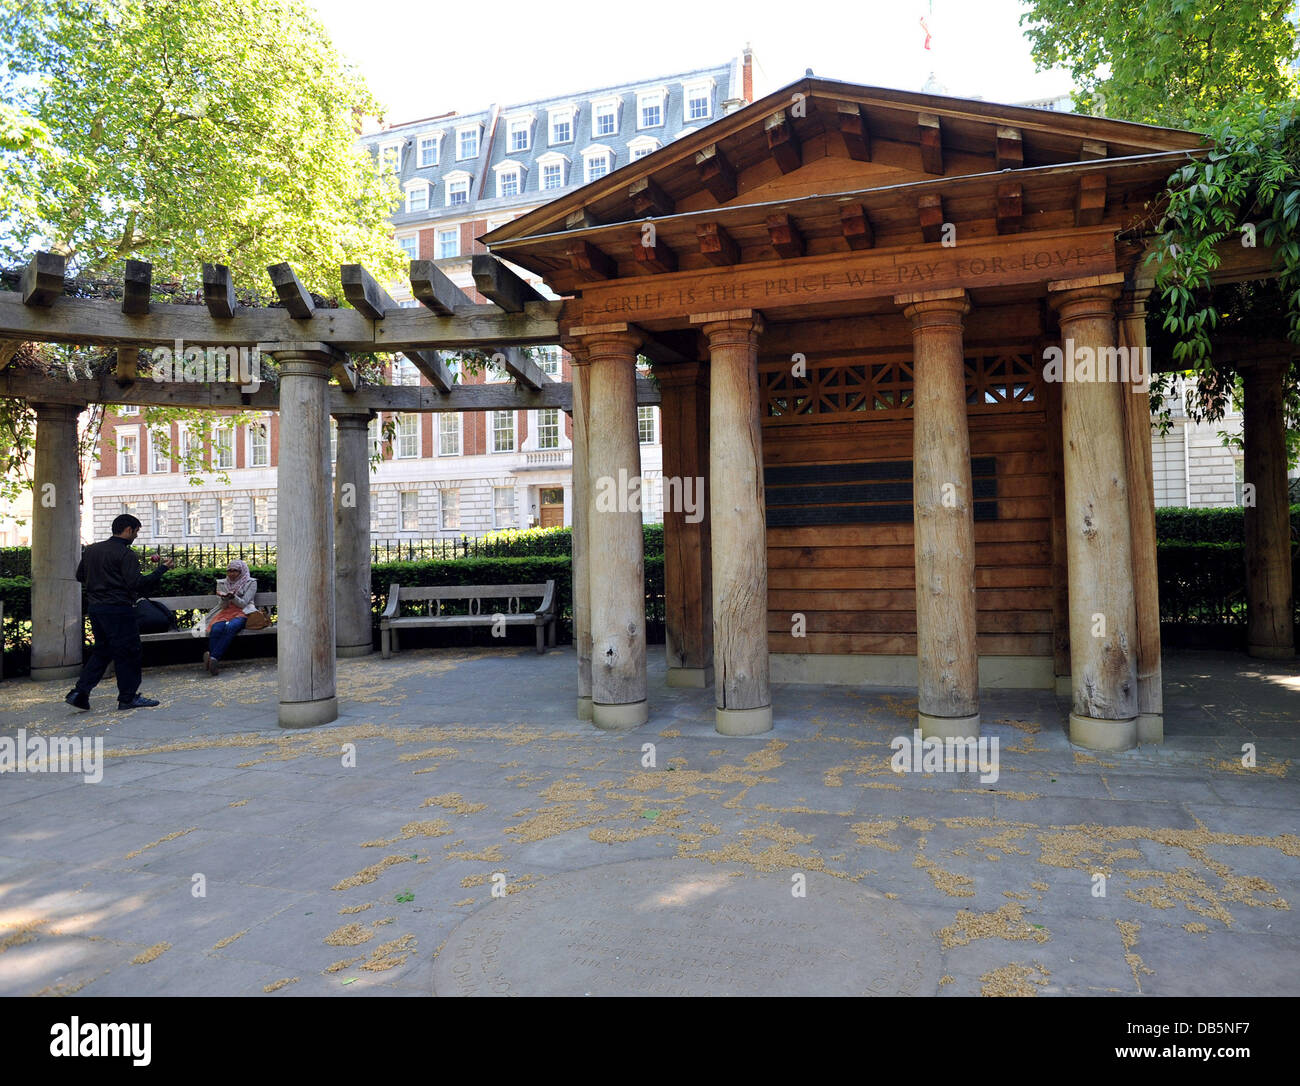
(422, 59)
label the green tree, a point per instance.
(178, 132)
(1180, 63)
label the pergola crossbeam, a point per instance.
(499, 284)
(42, 280)
(136, 286)
(219, 291)
(294, 296)
(433, 290)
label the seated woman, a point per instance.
(225, 620)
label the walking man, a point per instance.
(110, 572)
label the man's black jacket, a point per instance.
(111, 573)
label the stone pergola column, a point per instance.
(581, 517)
(738, 511)
(305, 583)
(688, 573)
(615, 539)
(1270, 615)
(1136, 404)
(58, 632)
(352, 598)
(1103, 622)
(947, 655)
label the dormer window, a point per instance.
(642, 146)
(457, 184)
(650, 108)
(509, 178)
(562, 122)
(604, 116)
(390, 155)
(417, 196)
(467, 142)
(430, 147)
(555, 168)
(597, 161)
(519, 133)
(697, 102)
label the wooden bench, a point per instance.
(205, 604)
(543, 618)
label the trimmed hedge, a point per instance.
(15, 562)
(1179, 524)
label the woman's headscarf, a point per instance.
(236, 584)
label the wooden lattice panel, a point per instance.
(1006, 381)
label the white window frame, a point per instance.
(552, 158)
(700, 88)
(548, 360)
(413, 252)
(131, 433)
(405, 371)
(394, 146)
(477, 129)
(375, 436)
(440, 236)
(128, 409)
(657, 96)
(442, 509)
(158, 517)
(514, 431)
(600, 107)
(402, 510)
(537, 428)
(191, 529)
(642, 146)
(154, 453)
(256, 526)
(226, 525)
(406, 441)
(453, 181)
(218, 446)
(558, 115)
(447, 432)
(508, 169)
(423, 144)
(590, 155)
(520, 122)
(512, 519)
(418, 187)
(654, 425)
(494, 374)
(334, 440)
(250, 457)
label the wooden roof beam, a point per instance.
(1009, 209)
(654, 258)
(931, 139)
(136, 287)
(856, 227)
(590, 263)
(42, 280)
(434, 290)
(716, 173)
(854, 131)
(716, 245)
(363, 291)
(1009, 148)
(219, 291)
(782, 142)
(785, 237)
(649, 199)
(582, 219)
(1090, 203)
(501, 286)
(1093, 149)
(929, 212)
(294, 296)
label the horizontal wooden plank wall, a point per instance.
(855, 584)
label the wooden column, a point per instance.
(688, 574)
(352, 598)
(581, 565)
(944, 518)
(1103, 623)
(615, 540)
(738, 514)
(58, 633)
(305, 541)
(1270, 615)
(1136, 403)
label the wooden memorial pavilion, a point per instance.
(851, 297)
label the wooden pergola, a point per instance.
(848, 293)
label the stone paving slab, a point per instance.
(468, 765)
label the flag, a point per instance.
(927, 32)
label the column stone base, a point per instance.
(743, 721)
(1150, 729)
(948, 727)
(49, 674)
(1086, 731)
(618, 717)
(697, 678)
(308, 714)
(584, 708)
(1271, 652)
(343, 652)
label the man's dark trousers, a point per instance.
(117, 638)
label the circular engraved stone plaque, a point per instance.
(681, 928)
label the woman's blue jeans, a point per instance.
(221, 634)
